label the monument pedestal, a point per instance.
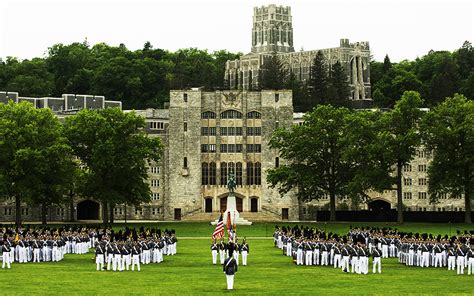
(234, 214)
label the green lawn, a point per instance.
(268, 272)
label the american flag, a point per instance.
(219, 231)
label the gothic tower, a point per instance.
(272, 29)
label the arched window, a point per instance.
(231, 114)
(254, 115)
(250, 174)
(258, 173)
(223, 173)
(208, 115)
(205, 173)
(212, 173)
(238, 173)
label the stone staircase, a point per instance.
(250, 216)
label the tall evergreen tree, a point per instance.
(274, 74)
(319, 81)
(386, 64)
(338, 90)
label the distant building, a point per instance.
(272, 32)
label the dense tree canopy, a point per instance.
(140, 79)
(114, 150)
(448, 130)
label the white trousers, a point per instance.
(451, 262)
(230, 282)
(299, 257)
(222, 256)
(345, 263)
(337, 260)
(363, 265)
(376, 262)
(470, 266)
(136, 261)
(288, 249)
(438, 259)
(36, 255)
(99, 261)
(214, 257)
(425, 259)
(6, 260)
(309, 257)
(244, 257)
(316, 256)
(460, 265)
(324, 258)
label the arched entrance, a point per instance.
(208, 205)
(88, 210)
(238, 203)
(254, 204)
(379, 206)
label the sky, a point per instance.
(402, 29)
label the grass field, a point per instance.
(268, 272)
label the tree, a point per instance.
(274, 74)
(400, 137)
(338, 89)
(386, 64)
(32, 150)
(114, 149)
(301, 100)
(448, 131)
(315, 153)
(319, 81)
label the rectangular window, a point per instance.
(185, 98)
(185, 162)
(407, 195)
(204, 131)
(422, 195)
(407, 168)
(407, 181)
(422, 168)
(238, 131)
(156, 125)
(212, 131)
(155, 183)
(231, 148)
(231, 131)
(277, 162)
(212, 147)
(422, 181)
(185, 127)
(238, 148)
(204, 148)
(155, 196)
(277, 98)
(223, 148)
(223, 131)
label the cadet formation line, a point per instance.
(350, 253)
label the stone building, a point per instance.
(272, 32)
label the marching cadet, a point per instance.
(337, 256)
(308, 251)
(117, 257)
(451, 259)
(244, 249)
(438, 255)
(36, 251)
(316, 252)
(110, 255)
(299, 253)
(230, 268)
(126, 260)
(236, 251)
(324, 254)
(99, 257)
(6, 251)
(363, 260)
(345, 258)
(214, 249)
(470, 261)
(460, 260)
(136, 256)
(222, 250)
(376, 260)
(289, 244)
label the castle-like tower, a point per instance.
(273, 32)
(272, 29)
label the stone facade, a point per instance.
(272, 32)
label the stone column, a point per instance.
(361, 78)
(354, 79)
